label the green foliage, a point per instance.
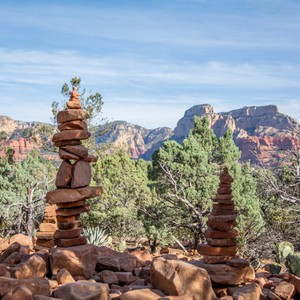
(275, 268)
(293, 263)
(283, 250)
(124, 182)
(97, 236)
(122, 246)
(3, 135)
(186, 177)
(23, 188)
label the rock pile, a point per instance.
(74, 174)
(221, 235)
(45, 235)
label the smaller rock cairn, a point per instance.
(47, 228)
(221, 235)
(74, 174)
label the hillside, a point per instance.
(260, 132)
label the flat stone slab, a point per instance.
(66, 243)
(78, 150)
(69, 225)
(68, 234)
(217, 251)
(75, 124)
(72, 211)
(218, 234)
(65, 155)
(222, 242)
(71, 204)
(216, 259)
(222, 218)
(223, 274)
(70, 135)
(74, 104)
(65, 143)
(72, 195)
(222, 226)
(70, 115)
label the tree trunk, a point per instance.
(29, 212)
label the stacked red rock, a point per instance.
(45, 235)
(74, 174)
(221, 234)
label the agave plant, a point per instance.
(97, 236)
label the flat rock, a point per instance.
(217, 251)
(222, 274)
(14, 247)
(69, 225)
(37, 286)
(79, 260)
(65, 155)
(74, 104)
(108, 277)
(222, 242)
(251, 291)
(238, 262)
(47, 227)
(222, 226)
(70, 135)
(83, 291)
(75, 124)
(285, 290)
(91, 158)
(64, 219)
(222, 218)
(143, 294)
(70, 115)
(66, 143)
(45, 243)
(82, 174)
(35, 266)
(67, 234)
(177, 278)
(71, 204)
(64, 276)
(72, 211)
(218, 234)
(78, 150)
(72, 195)
(216, 259)
(22, 239)
(4, 244)
(64, 174)
(19, 293)
(109, 259)
(65, 243)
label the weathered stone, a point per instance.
(295, 280)
(65, 155)
(82, 174)
(14, 247)
(22, 239)
(71, 204)
(73, 104)
(224, 189)
(108, 277)
(285, 290)
(71, 242)
(71, 211)
(3, 269)
(83, 291)
(72, 195)
(4, 244)
(222, 274)
(64, 219)
(273, 296)
(67, 234)
(91, 158)
(217, 251)
(216, 259)
(222, 226)
(225, 197)
(39, 297)
(19, 293)
(13, 259)
(66, 143)
(70, 115)
(125, 277)
(69, 225)
(45, 243)
(218, 234)
(177, 278)
(64, 174)
(79, 261)
(45, 235)
(222, 242)
(70, 135)
(37, 286)
(35, 266)
(109, 259)
(238, 262)
(76, 124)
(50, 227)
(222, 218)
(78, 150)
(64, 276)
(250, 291)
(143, 256)
(143, 294)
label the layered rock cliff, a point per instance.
(260, 132)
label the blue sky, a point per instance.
(150, 59)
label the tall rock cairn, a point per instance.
(74, 174)
(221, 234)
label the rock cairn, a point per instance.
(74, 174)
(221, 234)
(45, 235)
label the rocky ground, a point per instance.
(88, 272)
